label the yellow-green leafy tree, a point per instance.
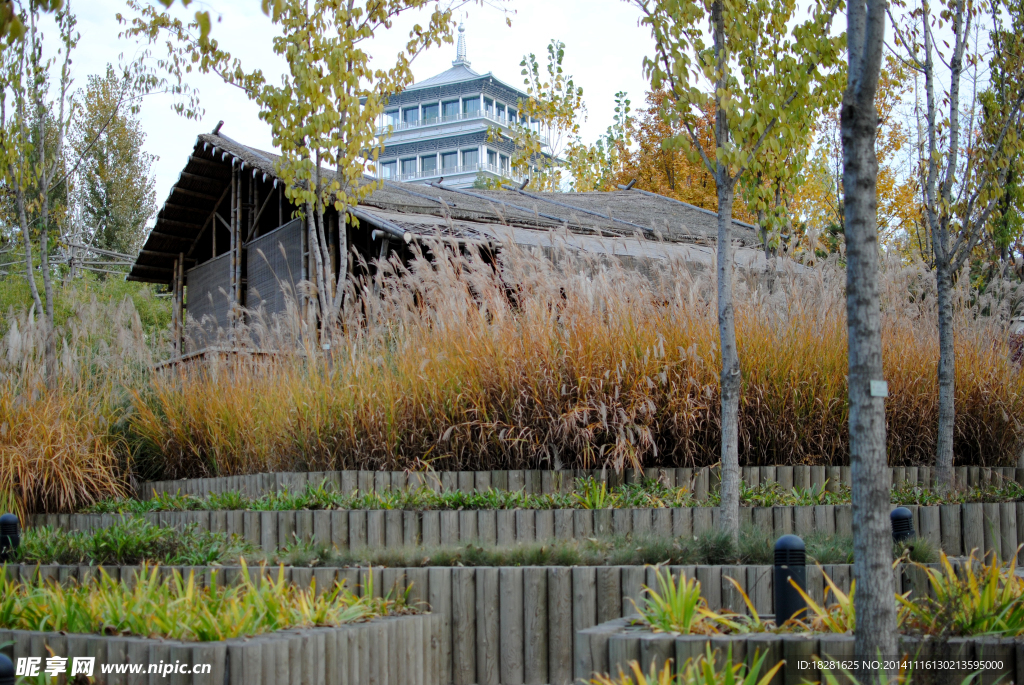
(599, 166)
(660, 165)
(549, 121)
(819, 199)
(766, 70)
(324, 113)
(967, 154)
(116, 187)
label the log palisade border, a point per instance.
(956, 528)
(609, 647)
(402, 650)
(509, 625)
(512, 625)
(700, 480)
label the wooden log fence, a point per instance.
(401, 650)
(608, 647)
(957, 528)
(507, 625)
(700, 481)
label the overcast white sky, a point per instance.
(605, 48)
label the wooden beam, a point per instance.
(192, 193)
(185, 208)
(209, 163)
(183, 224)
(160, 234)
(256, 221)
(172, 255)
(199, 177)
(213, 252)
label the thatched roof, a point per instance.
(202, 183)
(627, 222)
(611, 214)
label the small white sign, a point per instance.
(879, 389)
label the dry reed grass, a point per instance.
(563, 361)
(59, 447)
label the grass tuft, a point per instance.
(176, 608)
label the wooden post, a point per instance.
(235, 201)
(239, 238)
(174, 308)
(179, 309)
(488, 628)
(464, 628)
(535, 625)
(510, 611)
(255, 202)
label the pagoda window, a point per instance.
(512, 114)
(411, 115)
(431, 112)
(501, 111)
(471, 105)
(409, 167)
(449, 160)
(492, 158)
(503, 163)
(470, 158)
(391, 118)
(450, 110)
(489, 107)
(388, 169)
(428, 163)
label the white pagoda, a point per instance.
(438, 128)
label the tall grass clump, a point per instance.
(552, 360)
(61, 433)
(558, 360)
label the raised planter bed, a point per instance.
(703, 480)
(956, 528)
(515, 625)
(402, 650)
(610, 646)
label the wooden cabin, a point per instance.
(226, 235)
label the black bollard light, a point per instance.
(10, 537)
(790, 562)
(902, 524)
(6, 670)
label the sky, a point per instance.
(605, 48)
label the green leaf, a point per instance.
(203, 19)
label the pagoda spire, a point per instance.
(460, 55)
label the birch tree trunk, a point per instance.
(339, 290)
(874, 602)
(729, 489)
(19, 197)
(947, 378)
(51, 333)
(729, 512)
(318, 262)
(44, 239)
